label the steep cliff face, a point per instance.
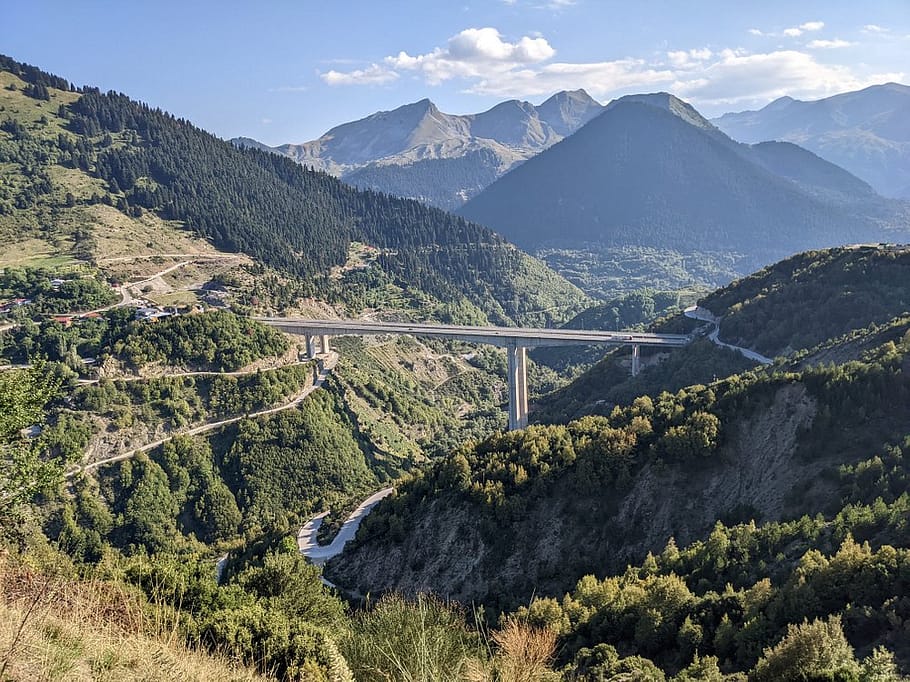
(458, 552)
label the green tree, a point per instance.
(809, 652)
(24, 470)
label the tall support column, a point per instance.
(310, 345)
(325, 343)
(636, 359)
(518, 387)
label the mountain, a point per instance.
(771, 482)
(650, 172)
(810, 308)
(866, 132)
(75, 154)
(391, 151)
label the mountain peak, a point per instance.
(668, 102)
(568, 110)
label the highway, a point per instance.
(497, 336)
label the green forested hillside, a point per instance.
(80, 149)
(809, 298)
(806, 462)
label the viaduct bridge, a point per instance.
(516, 341)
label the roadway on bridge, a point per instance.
(499, 336)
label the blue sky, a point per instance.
(288, 71)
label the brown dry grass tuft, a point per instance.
(59, 628)
(523, 655)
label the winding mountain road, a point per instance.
(329, 364)
(318, 554)
(704, 315)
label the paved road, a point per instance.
(705, 315)
(318, 554)
(329, 364)
(499, 336)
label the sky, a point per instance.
(282, 71)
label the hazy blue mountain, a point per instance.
(396, 151)
(651, 172)
(867, 132)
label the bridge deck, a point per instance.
(497, 336)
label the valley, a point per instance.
(636, 410)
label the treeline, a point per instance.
(862, 398)
(217, 340)
(33, 75)
(76, 293)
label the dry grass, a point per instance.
(523, 654)
(55, 628)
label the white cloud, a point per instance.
(372, 75)
(753, 78)
(475, 52)
(796, 31)
(756, 32)
(600, 79)
(265, 121)
(482, 61)
(875, 28)
(682, 59)
(828, 44)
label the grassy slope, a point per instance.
(43, 234)
(60, 628)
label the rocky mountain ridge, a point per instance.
(867, 132)
(489, 143)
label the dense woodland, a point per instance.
(218, 340)
(804, 300)
(77, 292)
(733, 595)
(250, 201)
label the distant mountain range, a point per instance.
(866, 132)
(652, 172)
(417, 151)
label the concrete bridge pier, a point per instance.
(325, 344)
(518, 386)
(310, 345)
(636, 360)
